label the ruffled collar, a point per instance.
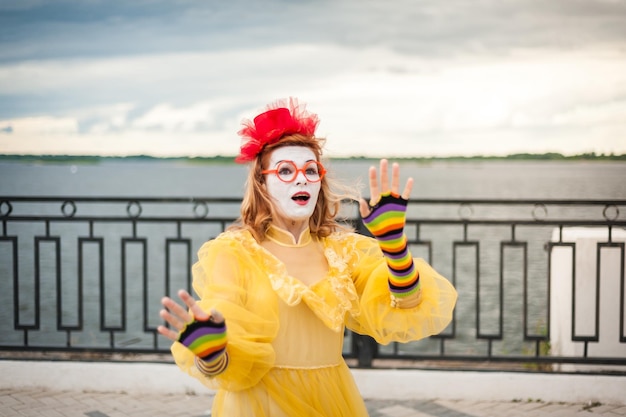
(284, 238)
(330, 298)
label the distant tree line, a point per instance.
(89, 159)
(550, 156)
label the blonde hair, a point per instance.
(256, 207)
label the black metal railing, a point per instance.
(86, 274)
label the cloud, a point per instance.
(611, 113)
(366, 96)
(428, 77)
(44, 125)
(166, 117)
(75, 28)
(158, 144)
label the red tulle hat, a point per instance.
(281, 118)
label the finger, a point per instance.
(216, 316)
(172, 320)
(364, 208)
(374, 191)
(190, 302)
(170, 334)
(384, 175)
(395, 178)
(407, 189)
(176, 309)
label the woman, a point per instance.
(277, 289)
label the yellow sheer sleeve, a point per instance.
(377, 317)
(224, 279)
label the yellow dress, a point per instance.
(285, 333)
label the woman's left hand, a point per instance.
(178, 317)
(376, 190)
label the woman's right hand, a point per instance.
(179, 317)
(379, 189)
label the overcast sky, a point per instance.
(387, 78)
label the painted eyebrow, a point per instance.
(289, 160)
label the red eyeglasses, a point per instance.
(287, 171)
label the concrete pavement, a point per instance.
(36, 402)
(111, 389)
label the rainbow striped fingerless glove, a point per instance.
(207, 340)
(386, 223)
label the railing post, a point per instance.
(365, 349)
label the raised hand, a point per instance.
(203, 334)
(385, 216)
(178, 317)
(377, 190)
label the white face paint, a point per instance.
(294, 200)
